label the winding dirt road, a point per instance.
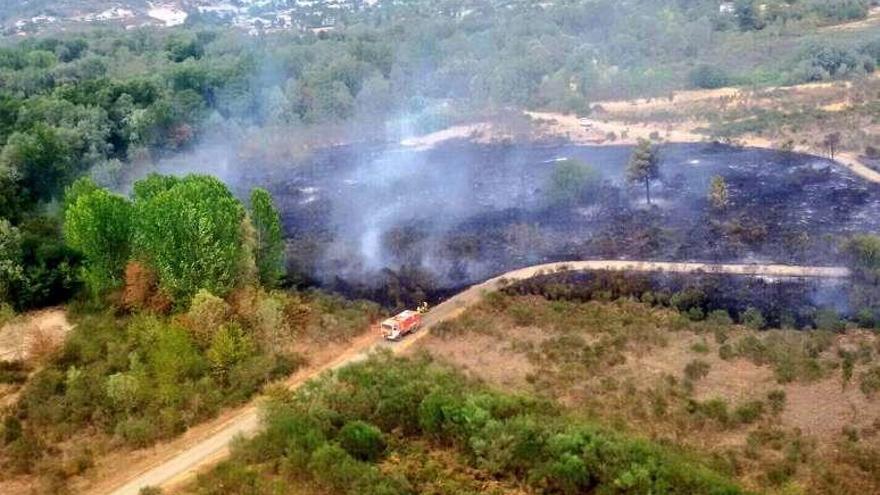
(180, 466)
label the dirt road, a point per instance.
(179, 467)
(595, 132)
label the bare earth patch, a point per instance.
(33, 335)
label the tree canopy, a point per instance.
(97, 223)
(190, 233)
(270, 242)
(572, 181)
(644, 166)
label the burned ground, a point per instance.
(398, 224)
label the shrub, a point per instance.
(708, 77)
(13, 372)
(7, 314)
(715, 409)
(696, 370)
(362, 441)
(572, 182)
(229, 346)
(748, 412)
(140, 286)
(869, 382)
(829, 320)
(207, 313)
(137, 432)
(700, 347)
(776, 399)
(719, 317)
(335, 469)
(753, 318)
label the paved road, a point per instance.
(181, 466)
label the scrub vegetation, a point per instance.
(401, 426)
(778, 411)
(175, 326)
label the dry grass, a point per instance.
(634, 379)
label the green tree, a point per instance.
(708, 77)
(571, 182)
(190, 234)
(229, 346)
(643, 166)
(98, 224)
(270, 243)
(748, 15)
(40, 161)
(80, 187)
(753, 318)
(11, 269)
(719, 196)
(153, 184)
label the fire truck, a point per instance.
(397, 327)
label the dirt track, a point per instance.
(595, 134)
(178, 467)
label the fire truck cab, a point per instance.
(397, 327)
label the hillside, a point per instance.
(641, 237)
(778, 411)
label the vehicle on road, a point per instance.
(397, 327)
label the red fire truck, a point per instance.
(397, 327)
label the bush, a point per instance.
(335, 469)
(776, 399)
(753, 318)
(526, 439)
(207, 313)
(869, 382)
(715, 409)
(708, 77)
(696, 370)
(13, 372)
(719, 317)
(748, 412)
(829, 320)
(572, 182)
(362, 441)
(137, 432)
